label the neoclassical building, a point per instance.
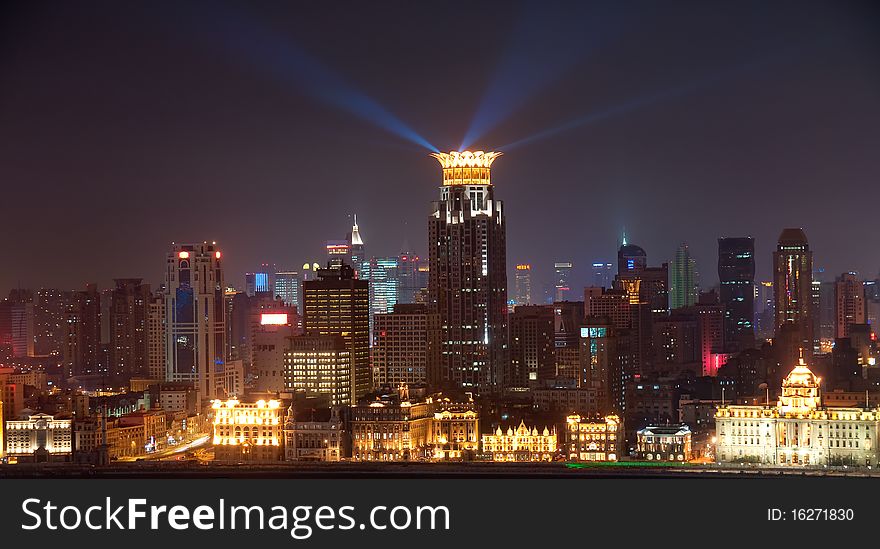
(524, 444)
(798, 429)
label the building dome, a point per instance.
(631, 250)
(792, 237)
(801, 376)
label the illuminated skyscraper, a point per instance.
(792, 283)
(338, 304)
(736, 273)
(356, 247)
(195, 318)
(523, 282)
(849, 293)
(683, 279)
(468, 274)
(382, 274)
(338, 253)
(562, 272)
(631, 259)
(82, 349)
(129, 329)
(409, 278)
(287, 287)
(532, 347)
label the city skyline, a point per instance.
(142, 136)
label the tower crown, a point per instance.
(466, 167)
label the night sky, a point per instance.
(125, 126)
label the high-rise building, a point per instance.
(338, 304)
(568, 317)
(792, 283)
(603, 274)
(765, 314)
(409, 279)
(849, 293)
(532, 346)
(403, 345)
(195, 318)
(356, 248)
(631, 259)
(523, 285)
(270, 340)
(683, 279)
(129, 329)
(319, 366)
(736, 273)
(156, 337)
(50, 326)
(382, 273)
(562, 272)
(261, 281)
(17, 325)
(287, 287)
(338, 253)
(82, 351)
(710, 325)
(468, 273)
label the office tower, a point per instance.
(195, 318)
(736, 273)
(523, 284)
(129, 329)
(532, 346)
(269, 341)
(404, 345)
(562, 272)
(156, 337)
(319, 366)
(710, 325)
(849, 293)
(765, 313)
(287, 287)
(382, 274)
(423, 274)
(408, 277)
(50, 326)
(83, 345)
(600, 363)
(631, 259)
(338, 253)
(568, 316)
(603, 273)
(260, 313)
(338, 304)
(792, 283)
(468, 274)
(676, 344)
(356, 248)
(683, 279)
(17, 325)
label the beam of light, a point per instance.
(663, 95)
(546, 42)
(252, 42)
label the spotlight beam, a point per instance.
(629, 106)
(251, 42)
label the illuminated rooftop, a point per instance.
(466, 159)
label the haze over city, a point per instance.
(264, 127)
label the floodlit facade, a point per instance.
(798, 429)
(314, 436)
(247, 431)
(40, 437)
(593, 440)
(664, 443)
(522, 444)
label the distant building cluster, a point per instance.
(423, 357)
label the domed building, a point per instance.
(798, 429)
